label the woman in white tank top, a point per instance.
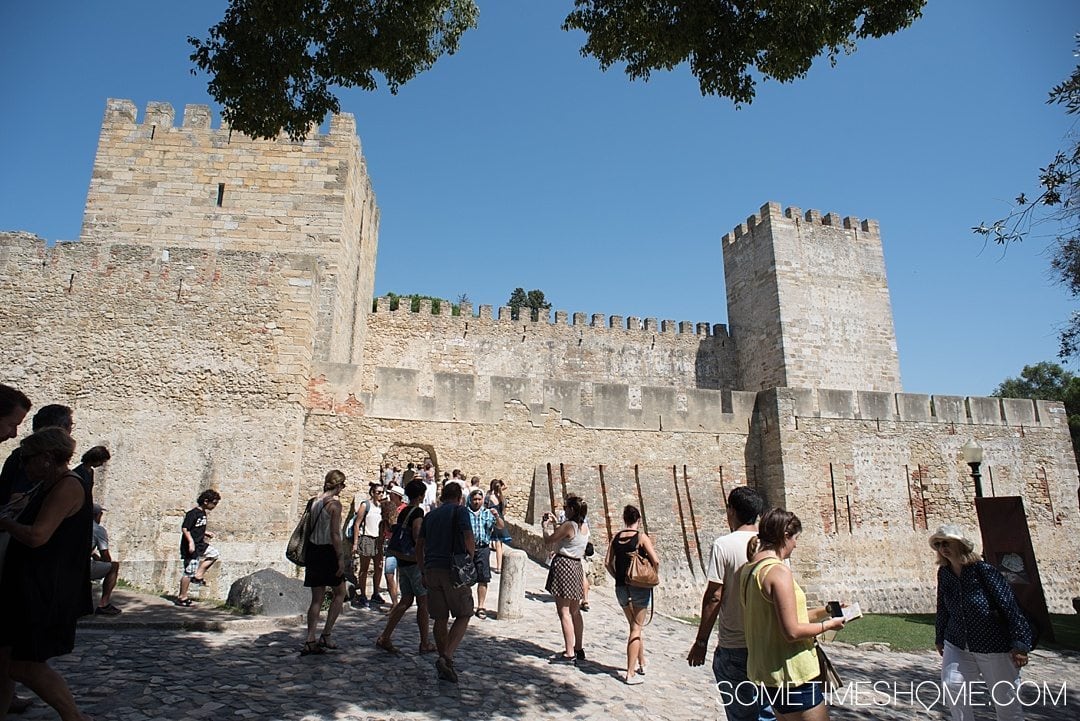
(566, 578)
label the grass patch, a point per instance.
(915, 631)
(1066, 631)
(902, 631)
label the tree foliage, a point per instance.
(1057, 201)
(273, 63)
(1048, 382)
(533, 300)
(724, 41)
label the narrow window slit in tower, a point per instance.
(220, 193)
(153, 129)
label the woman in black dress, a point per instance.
(325, 563)
(46, 576)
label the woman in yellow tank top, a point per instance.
(781, 657)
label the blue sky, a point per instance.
(516, 162)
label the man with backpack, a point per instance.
(446, 533)
(402, 545)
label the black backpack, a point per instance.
(401, 544)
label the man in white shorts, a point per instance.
(102, 566)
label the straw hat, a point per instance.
(953, 532)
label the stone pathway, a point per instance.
(156, 662)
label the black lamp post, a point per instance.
(973, 455)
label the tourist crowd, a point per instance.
(426, 541)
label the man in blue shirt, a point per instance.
(482, 521)
(446, 531)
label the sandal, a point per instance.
(481, 613)
(182, 602)
(429, 648)
(312, 648)
(386, 645)
(585, 606)
(326, 643)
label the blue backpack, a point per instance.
(348, 530)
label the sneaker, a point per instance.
(376, 598)
(19, 704)
(579, 654)
(444, 667)
(107, 610)
(360, 602)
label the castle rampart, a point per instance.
(578, 348)
(870, 489)
(808, 302)
(469, 398)
(195, 186)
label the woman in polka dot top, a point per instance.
(982, 635)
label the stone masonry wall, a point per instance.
(808, 302)
(214, 329)
(194, 186)
(596, 349)
(871, 476)
(193, 371)
(680, 481)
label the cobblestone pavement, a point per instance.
(153, 663)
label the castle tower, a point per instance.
(808, 302)
(199, 187)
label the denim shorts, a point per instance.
(640, 597)
(792, 699)
(389, 565)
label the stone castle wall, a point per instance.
(808, 302)
(235, 346)
(871, 475)
(193, 371)
(195, 186)
(595, 348)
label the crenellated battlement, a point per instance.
(169, 185)
(771, 212)
(504, 315)
(161, 117)
(922, 408)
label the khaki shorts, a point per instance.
(369, 546)
(443, 599)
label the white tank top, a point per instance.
(373, 519)
(575, 547)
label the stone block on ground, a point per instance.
(269, 593)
